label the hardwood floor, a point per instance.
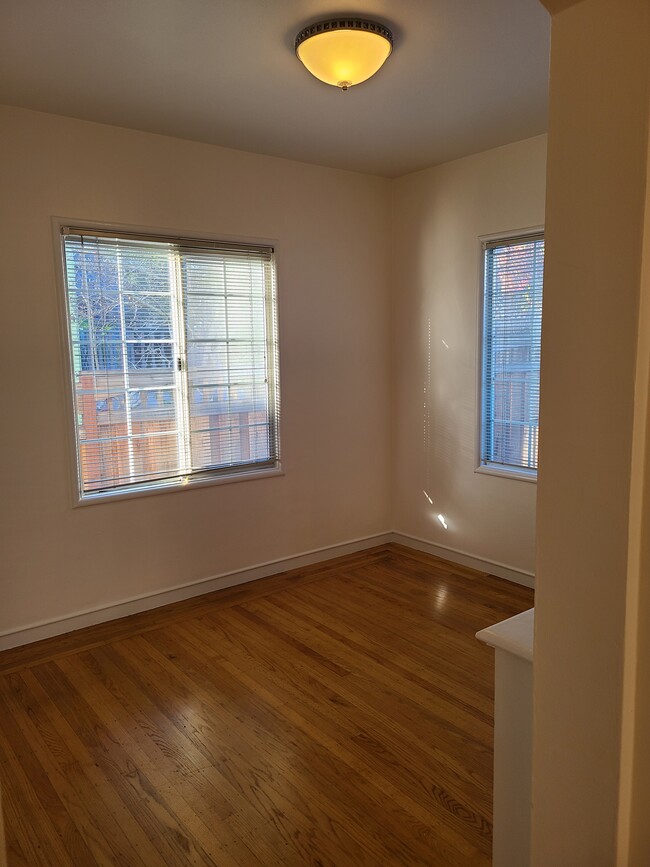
(335, 715)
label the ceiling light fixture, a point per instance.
(344, 51)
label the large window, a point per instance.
(512, 326)
(173, 359)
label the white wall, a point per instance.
(438, 216)
(589, 528)
(332, 231)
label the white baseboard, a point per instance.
(147, 601)
(517, 576)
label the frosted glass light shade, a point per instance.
(344, 52)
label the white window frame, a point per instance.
(184, 483)
(499, 470)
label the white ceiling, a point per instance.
(464, 76)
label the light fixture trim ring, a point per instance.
(333, 24)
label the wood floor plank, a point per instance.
(446, 641)
(334, 775)
(254, 743)
(364, 663)
(339, 714)
(182, 791)
(373, 669)
(80, 829)
(421, 670)
(355, 701)
(108, 813)
(152, 814)
(282, 726)
(173, 744)
(33, 797)
(443, 843)
(290, 676)
(439, 655)
(212, 726)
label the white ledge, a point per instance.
(514, 635)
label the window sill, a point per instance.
(506, 473)
(176, 486)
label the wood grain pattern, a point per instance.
(339, 714)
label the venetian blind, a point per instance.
(512, 325)
(173, 356)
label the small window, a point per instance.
(513, 272)
(173, 357)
